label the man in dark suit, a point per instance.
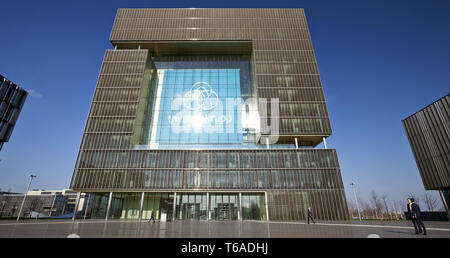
(310, 215)
(416, 216)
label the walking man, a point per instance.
(152, 216)
(310, 215)
(416, 216)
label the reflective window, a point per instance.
(253, 207)
(223, 206)
(99, 206)
(191, 206)
(197, 100)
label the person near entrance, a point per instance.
(152, 216)
(416, 216)
(310, 216)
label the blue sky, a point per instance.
(380, 61)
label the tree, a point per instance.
(351, 207)
(376, 203)
(430, 201)
(401, 207)
(384, 199)
(366, 209)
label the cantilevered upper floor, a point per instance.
(281, 72)
(428, 132)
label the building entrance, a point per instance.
(226, 211)
(223, 206)
(191, 211)
(191, 206)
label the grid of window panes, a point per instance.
(293, 205)
(283, 67)
(210, 169)
(284, 63)
(218, 120)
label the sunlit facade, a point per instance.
(428, 132)
(209, 114)
(12, 98)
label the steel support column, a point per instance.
(75, 208)
(445, 204)
(267, 207)
(141, 205)
(240, 207)
(174, 213)
(207, 206)
(109, 205)
(87, 204)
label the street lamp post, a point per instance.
(28, 188)
(356, 199)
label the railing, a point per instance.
(219, 146)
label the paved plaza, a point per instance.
(216, 229)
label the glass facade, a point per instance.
(214, 118)
(160, 203)
(253, 207)
(125, 206)
(196, 101)
(191, 206)
(99, 206)
(223, 206)
(189, 103)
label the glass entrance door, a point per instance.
(190, 206)
(226, 211)
(223, 206)
(191, 210)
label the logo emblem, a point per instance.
(200, 97)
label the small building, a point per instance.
(41, 203)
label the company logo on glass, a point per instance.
(200, 97)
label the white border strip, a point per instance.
(153, 144)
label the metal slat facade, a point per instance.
(284, 67)
(429, 136)
(282, 51)
(12, 98)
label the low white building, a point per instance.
(41, 203)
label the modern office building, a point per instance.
(209, 114)
(428, 132)
(12, 98)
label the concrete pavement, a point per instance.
(217, 229)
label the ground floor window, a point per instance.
(160, 203)
(223, 206)
(180, 206)
(253, 207)
(99, 206)
(191, 206)
(125, 206)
